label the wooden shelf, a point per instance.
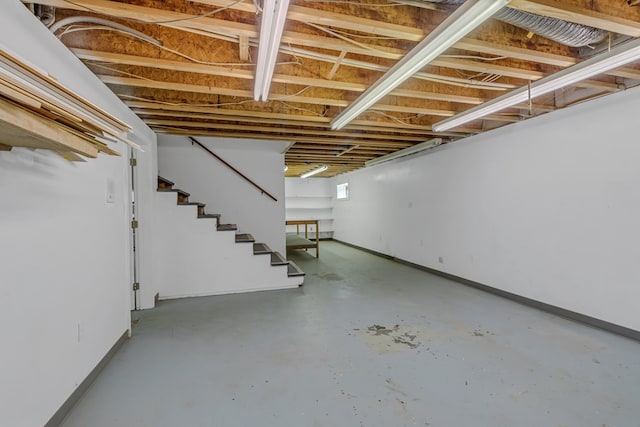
(316, 204)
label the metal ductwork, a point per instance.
(46, 14)
(567, 33)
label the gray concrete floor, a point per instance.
(366, 342)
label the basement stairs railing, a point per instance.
(262, 190)
(164, 185)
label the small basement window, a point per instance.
(342, 191)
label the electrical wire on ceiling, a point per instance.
(454, 81)
(479, 58)
(486, 77)
(103, 23)
(465, 82)
(492, 77)
(293, 107)
(285, 96)
(180, 104)
(355, 3)
(169, 21)
(145, 38)
(344, 38)
(95, 64)
(348, 34)
(400, 120)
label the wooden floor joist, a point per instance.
(198, 81)
(325, 140)
(276, 129)
(146, 108)
(172, 65)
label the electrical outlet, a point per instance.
(441, 260)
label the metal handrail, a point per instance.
(262, 190)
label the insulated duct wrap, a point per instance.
(567, 33)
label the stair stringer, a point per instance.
(191, 258)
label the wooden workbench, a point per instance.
(297, 241)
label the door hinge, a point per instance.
(133, 162)
(136, 286)
(134, 224)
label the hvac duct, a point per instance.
(567, 33)
(46, 14)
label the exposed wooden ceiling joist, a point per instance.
(330, 54)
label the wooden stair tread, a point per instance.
(165, 180)
(244, 238)
(261, 249)
(278, 259)
(164, 183)
(227, 227)
(293, 270)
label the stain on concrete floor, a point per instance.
(329, 276)
(391, 339)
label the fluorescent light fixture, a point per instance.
(427, 145)
(467, 17)
(315, 171)
(274, 16)
(616, 57)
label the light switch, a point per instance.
(111, 194)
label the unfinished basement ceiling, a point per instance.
(199, 79)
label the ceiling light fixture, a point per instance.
(616, 57)
(286, 168)
(467, 17)
(315, 171)
(274, 16)
(414, 149)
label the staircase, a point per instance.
(197, 255)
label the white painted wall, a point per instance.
(192, 258)
(64, 292)
(209, 181)
(548, 208)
